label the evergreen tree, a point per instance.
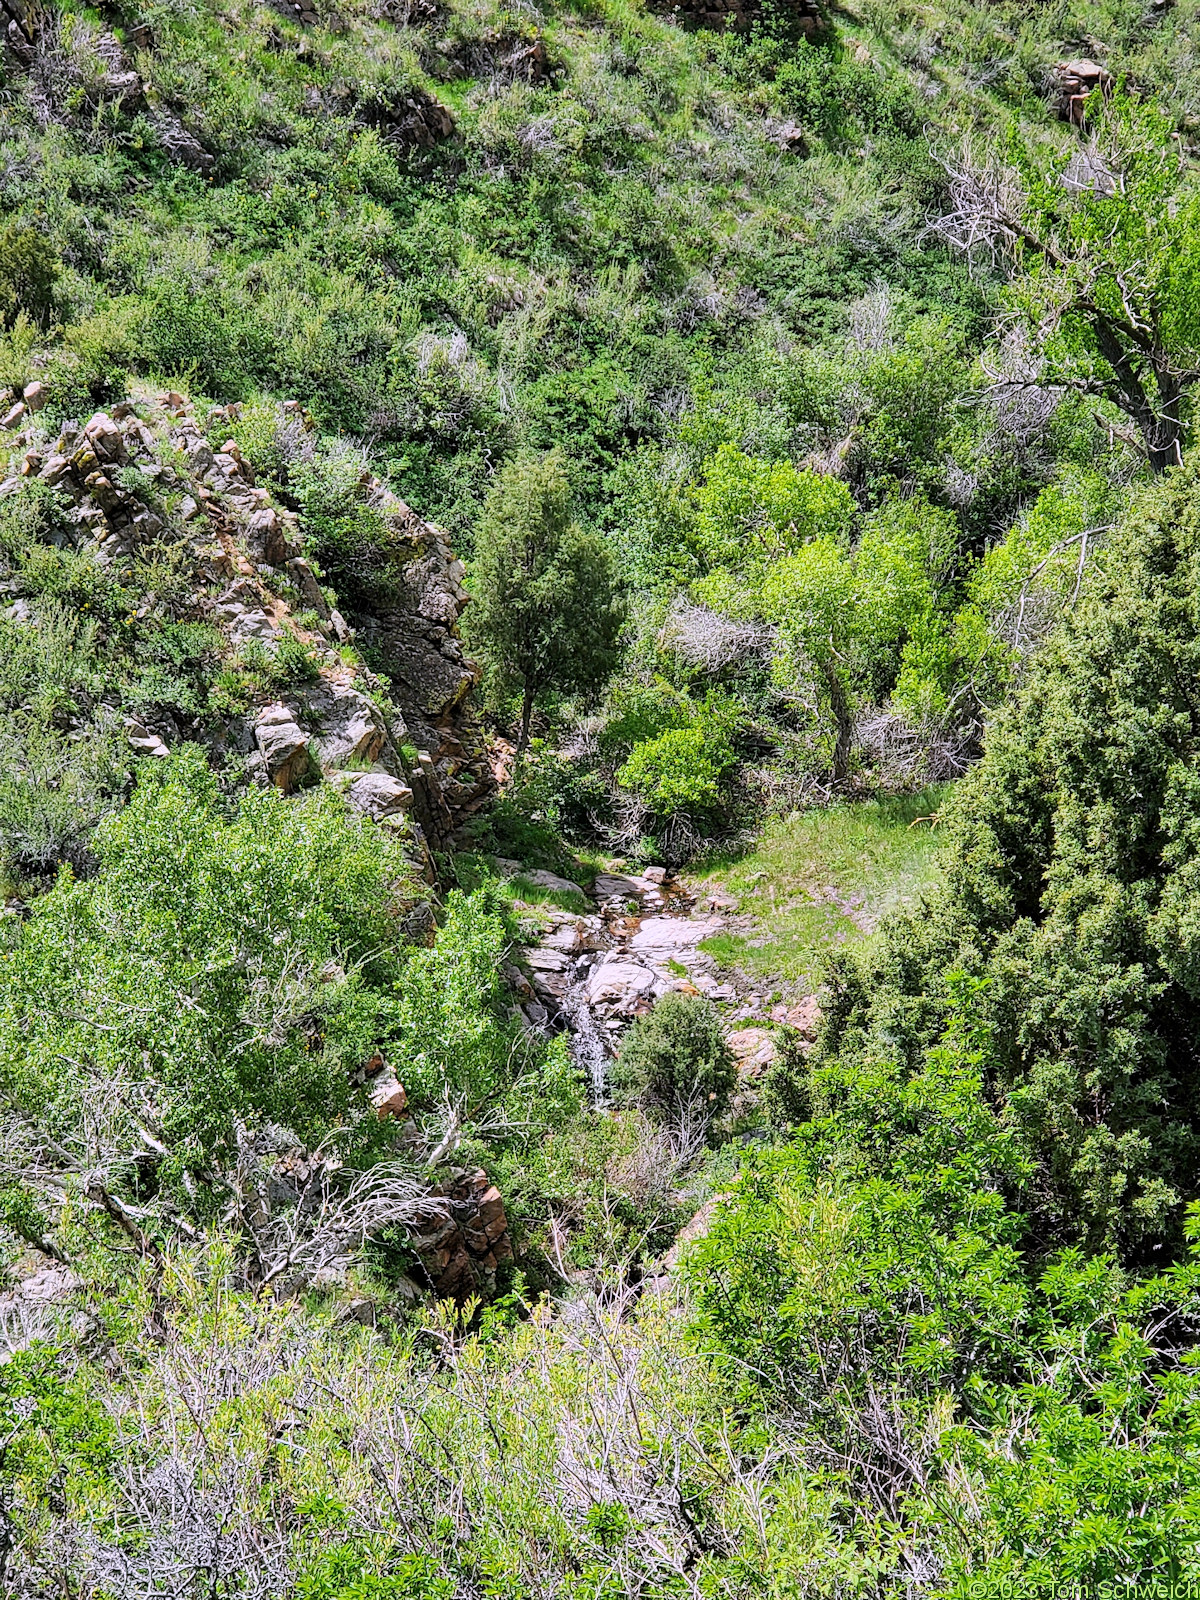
(1073, 861)
(546, 609)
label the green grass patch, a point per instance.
(822, 878)
(532, 894)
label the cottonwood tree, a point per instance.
(1101, 244)
(547, 612)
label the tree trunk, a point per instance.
(843, 715)
(1156, 411)
(526, 713)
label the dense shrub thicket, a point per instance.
(830, 332)
(1068, 898)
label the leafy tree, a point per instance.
(812, 595)
(546, 607)
(748, 509)
(1103, 246)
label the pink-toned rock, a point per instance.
(753, 1049)
(105, 438)
(283, 745)
(387, 1094)
(805, 1017)
(379, 795)
(659, 937)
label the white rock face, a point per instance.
(659, 937)
(143, 741)
(622, 988)
(380, 795)
(351, 728)
(283, 745)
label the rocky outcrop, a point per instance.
(283, 745)
(76, 86)
(409, 120)
(495, 54)
(460, 1257)
(736, 16)
(150, 472)
(1070, 84)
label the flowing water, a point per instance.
(587, 1046)
(594, 974)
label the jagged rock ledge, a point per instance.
(404, 752)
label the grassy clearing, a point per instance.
(817, 879)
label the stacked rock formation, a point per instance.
(1071, 82)
(461, 1256)
(117, 474)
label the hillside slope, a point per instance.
(487, 492)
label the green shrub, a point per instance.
(1036, 1407)
(680, 770)
(676, 1057)
(280, 922)
(295, 662)
(29, 269)
(750, 511)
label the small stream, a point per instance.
(592, 975)
(588, 1049)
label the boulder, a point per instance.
(622, 988)
(805, 1017)
(265, 541)
(105, 438)
(543, 960)
(570, 937)
(306, 581)
(550, 880)
(247, 623)
(283, 745)
(143, 741)
(35, 395)
(352, 728)
(611, 886)
(387, 1094)
(379, 795)
(1072, 82)
(753, 1049)
(461, 1255)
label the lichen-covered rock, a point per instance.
(352, 728)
